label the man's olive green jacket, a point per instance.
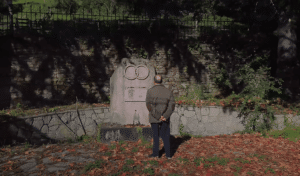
(159, 102)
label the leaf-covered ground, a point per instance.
(236, 154)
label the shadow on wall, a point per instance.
(30, 84)
(62, 71)
(15, 131)
(5, 72)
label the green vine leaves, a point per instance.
(258, 83)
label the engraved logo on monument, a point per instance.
(132, 72)
(140, 72)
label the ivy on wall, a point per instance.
(141, 52)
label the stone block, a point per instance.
(176, 109)
(47, 119)
(95, 117)
(54, 121)
(190, 108)
(82, 114)
(192, 124)
(45, 129)
(108, 115)
(106, 110)
(106, 120)
(64, 132)
(87, 121)
(29, 121)
(205, 111)
(98, 121)
(200, 129)
(236, 126)
(102, 116)
(74, 115)
(91, 130)
(99, 111)
(180, 111)
(73, 126)
(80, 132)
(279, 120)
(289, 117)
(89, 113)
(296, 120)
(221, 128)
(198, 111)
(189, 113)
(183, 121)
(211, 129)
(76, 120)
(205, 119)
(214, 111)
(213, 118)
(209, 119)
(223, 118)
(38, 123)
(65, 117)
(174, 123)
(228, 112)
(52, 131)
(227, 123)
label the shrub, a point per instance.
(258, 84)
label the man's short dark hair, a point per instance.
(158, 79)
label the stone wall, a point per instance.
(42, 74)
(59, 126)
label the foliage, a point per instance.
(198, 8)
(151, 8)
(67, 6)
(221, 78)
(197, 93)
(257, 88)
(256, 76)
(141, 52)
(195, 46)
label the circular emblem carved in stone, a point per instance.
(140, 72)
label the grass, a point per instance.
(103, 16)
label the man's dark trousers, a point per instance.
(163, 130)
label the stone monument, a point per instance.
(128, 88)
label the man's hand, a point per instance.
(162, 118)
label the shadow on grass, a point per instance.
(175, 143)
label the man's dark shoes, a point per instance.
(152, 156)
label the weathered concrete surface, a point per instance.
(128, 88)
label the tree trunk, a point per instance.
(287, 55)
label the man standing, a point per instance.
(160, 103)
